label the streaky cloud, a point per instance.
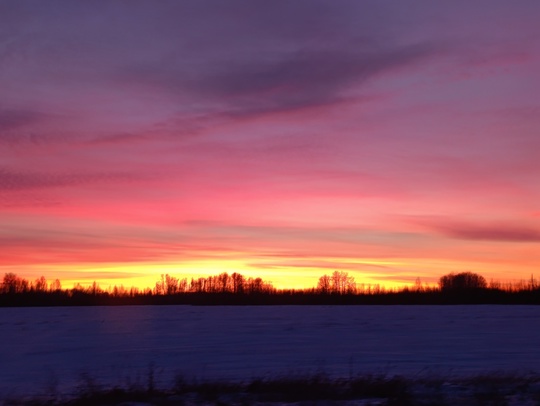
(17, 181)
(11, 119)
(282, 81)
(490, 232)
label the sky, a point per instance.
(282, 139)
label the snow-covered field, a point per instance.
(46, 349)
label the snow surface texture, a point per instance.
(46, 349)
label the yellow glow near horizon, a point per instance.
(394, 273)
(146, 275)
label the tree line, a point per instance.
(336, 288)
(167, 285)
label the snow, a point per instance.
(46, 349)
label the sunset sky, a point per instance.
(281, 139)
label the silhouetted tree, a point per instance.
(119, 291)
(532, 283)
(223, 282)
(182, 285)
(462, 280)
(94, 289)
(40, 285)
(418, 285)
(77, 288)
(56, 285)
(159, 288)
(171, 284)
(257, 286)
(342, 283)
(198, 285)
(238, 282)
(12, 283)
(324, 285)
(210, 284)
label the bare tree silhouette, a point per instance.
(12, 283)
(40, 285)
(238, 283)
(342, 283)
(324, 285)
(56, 286)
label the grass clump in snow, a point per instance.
(317, 389)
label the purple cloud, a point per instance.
(490, 232)
(16, 125)
(303, 79)
(16, 181)
(10, 119)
